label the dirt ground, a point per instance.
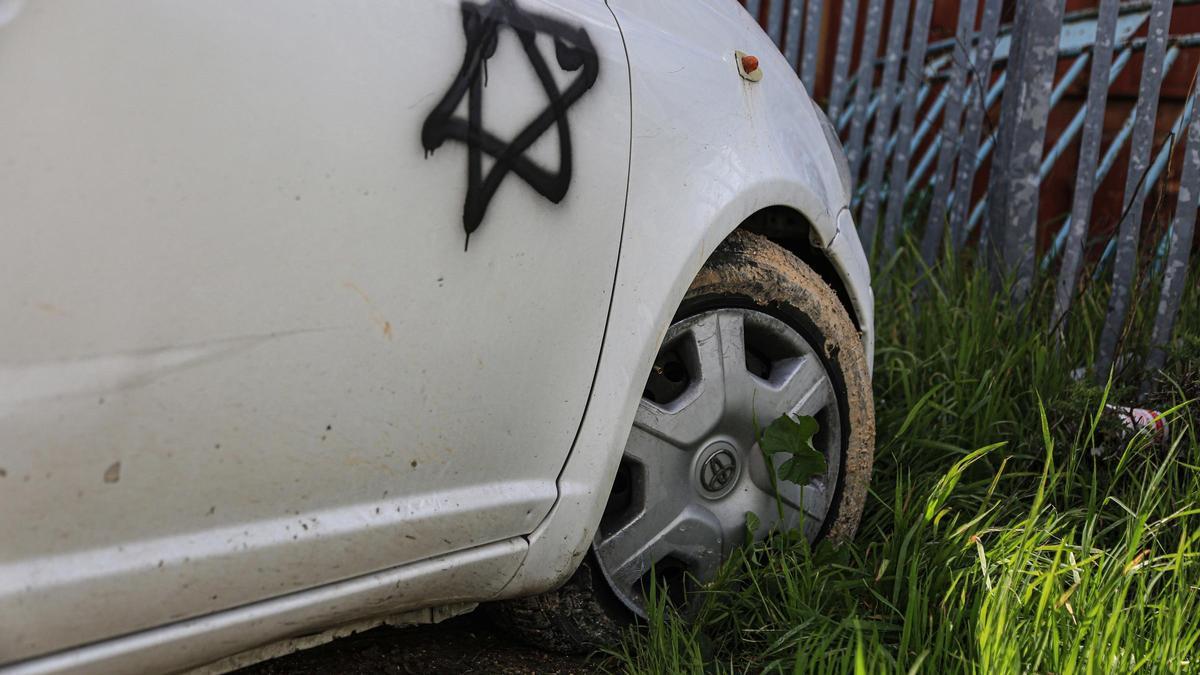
(466, 644)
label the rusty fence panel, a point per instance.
(922, 118)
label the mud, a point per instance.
(468, 644)
(751, 266)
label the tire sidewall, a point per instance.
(751, 272)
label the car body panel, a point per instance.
(206, 640)
(246, 353)
(747, 146)
(707, 149)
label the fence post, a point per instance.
(863, 86)
(775, 22)
(951, 118)
(914, 72)
(964, 176)
(996, 196)
(1181, 231)
(869, 215)
(1139, 161)
(791, 49)
(841, 63)
(1089, 154)
(812, 43)
(1013, 223)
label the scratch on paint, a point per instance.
(25, 383)
(376, 316)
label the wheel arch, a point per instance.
(657, 267)
(791, 230)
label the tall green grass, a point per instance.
(1013, 524)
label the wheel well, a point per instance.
(789, 229)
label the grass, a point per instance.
(1013, 524)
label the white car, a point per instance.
(320, 314)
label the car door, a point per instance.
(293, 291)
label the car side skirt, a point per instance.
(203, 640)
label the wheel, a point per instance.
(758, 335)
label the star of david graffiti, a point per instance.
(573, 51)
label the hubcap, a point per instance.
(692, 467)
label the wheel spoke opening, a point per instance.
(685, 394)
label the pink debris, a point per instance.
(1137, 419)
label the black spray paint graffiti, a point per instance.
(574, 52)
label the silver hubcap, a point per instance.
(692, 467)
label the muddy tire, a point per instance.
(764, 290)
(577, 617)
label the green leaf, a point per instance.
(793, 437)
(752, 523)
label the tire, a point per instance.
(790, 324)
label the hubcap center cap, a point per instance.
(717, 470)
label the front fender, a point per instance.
(708, 149)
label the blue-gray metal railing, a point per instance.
(897, 77)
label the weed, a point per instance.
(1014, 524)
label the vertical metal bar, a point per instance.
(1152, 174)
(934, 225)
(775, 21)
(964, 177)
(913, 74)
(841, 63)
(1068, 134)
(1106, 163)
(922, 95)
(1181, 231)
(930, 119)
(1073, 72)
(754, 7)
(1060, 90)
(791, 49)
(1000, 175)
(993, 95)
(1139, 155)
(931, 115)
(869, 216)
(1089, 154)
(841, 124)
(1156, 170)
(863, 86)
(1028, 138)
(812, 43)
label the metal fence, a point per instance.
(959, 126)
